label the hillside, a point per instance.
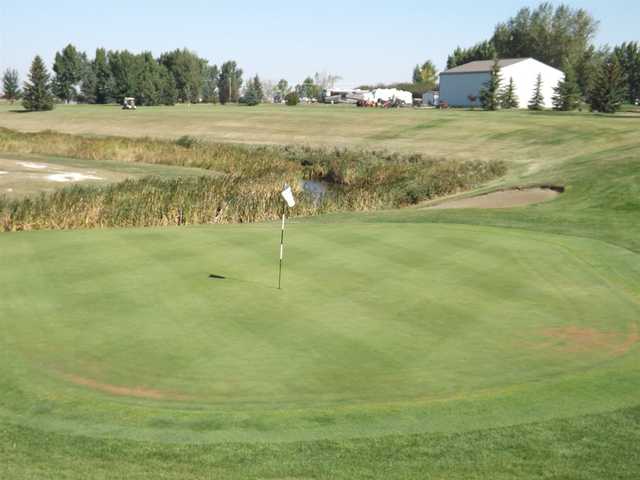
(407, 343)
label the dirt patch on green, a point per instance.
(574, 339)
(123, 391)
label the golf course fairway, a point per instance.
(377, 330)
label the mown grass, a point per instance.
(595, 157)
(380, 330)
(593, 447)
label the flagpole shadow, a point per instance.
(213, 276)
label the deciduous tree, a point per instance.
(189, 72)
(229, 82)
(68, 72)
(210, 85)
(104, 89)
(87, 81)
(628, 55)
(425, 73)
(481, 51)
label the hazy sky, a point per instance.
(364, 42)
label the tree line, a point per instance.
(563, 38)
(110, 76)
(178, 76)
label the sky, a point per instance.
(362, 42)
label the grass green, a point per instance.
(411, 343)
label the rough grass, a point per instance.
(245, 189)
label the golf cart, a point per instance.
(129, 103)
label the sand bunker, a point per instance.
(503, 199)
(33, 166)
(71, 177)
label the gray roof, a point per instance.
(482, 66)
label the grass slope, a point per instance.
(469, 344)
(523, 137)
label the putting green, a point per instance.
(379, 329)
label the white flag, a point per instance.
(287, 194)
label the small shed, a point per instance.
(430, 99)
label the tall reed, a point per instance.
(246, 189)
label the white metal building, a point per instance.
(388, 94)
(459, 83)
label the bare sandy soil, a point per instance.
(502, 199)
(19, 178)
(22, 176)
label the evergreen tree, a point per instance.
(508, 97)
(254, 93)
(537, 101)
(104, 79)
(37, 90)
(610, 88)
(257, 85)
(489, 95)
(567, 94)
(250, 96)
(417, 75)
(11, 85)
(68, 69)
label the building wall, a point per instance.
(454, 89)
(525, 74)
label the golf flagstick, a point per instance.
(287, 195)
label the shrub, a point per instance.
(292, 99)
(187, 141)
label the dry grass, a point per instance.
(246, 189)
